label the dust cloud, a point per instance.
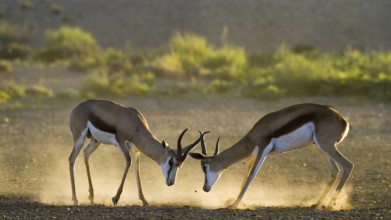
(44, 175)
(107, 167)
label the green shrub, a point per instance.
(56, 8)
(68, 43)
(68, 94)
(117, 84)
(186, 55)
(221, 86)
(83, 64)
(13, 41)
(299, 75)
(5, 66)
(38, 91)
(4, 97)
(26, 4)
(227, 62)
(191, 55)
(12, 89)
(117, 61)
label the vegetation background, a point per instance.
(259, 49)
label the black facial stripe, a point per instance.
(100, 124)
(169, 170)
(170, 162)
(293, 125)
(168, 173)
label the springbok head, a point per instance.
(211, 175)
(175, 158)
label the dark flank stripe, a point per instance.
(293, 125)
(100, 124)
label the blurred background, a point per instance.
(260, 49)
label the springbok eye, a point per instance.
(170, 162)
(204, 169)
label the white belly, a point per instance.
(298, 138)
(102, 136)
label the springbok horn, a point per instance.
(179, 152)
(217, 147)
(187, 149)
(203, 146)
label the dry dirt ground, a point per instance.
(35, 143)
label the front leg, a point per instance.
(125, 153)
(137, 172)
(254, 170)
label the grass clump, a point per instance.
(39, 92)
(190, 55)
(13, 41)
(5, 66)
(12, 89)
(69, 43)
(117, 84)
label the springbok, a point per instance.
(107, 122)
(287, 129)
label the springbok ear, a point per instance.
(197, 156)
(164, 144)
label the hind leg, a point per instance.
(346, 167)
(333, 174)
(93, 145)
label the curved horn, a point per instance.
(187, 149)
(179, 142)
(203, 146)
(217, 147)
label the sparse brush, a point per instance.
(5, 66)
(56, 8)
(13, 41)
(39, 91)
(117, 84)
(68, 43)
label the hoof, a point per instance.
(317, 206)
(91, 198)
(233, 206)
(115, 200)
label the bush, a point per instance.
(298, 75)
(221, 86)
(13, 41)
(4, 97)
(56, 9)
(186, 55)
(117, 61)
(191, 55)
(38, 91)
(26, 4)
(12, 89)
(5, 66)
(117, 84)
(68, 94)
(227, 62)
(69, 43)
(83, 64)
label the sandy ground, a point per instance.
(35, 143)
